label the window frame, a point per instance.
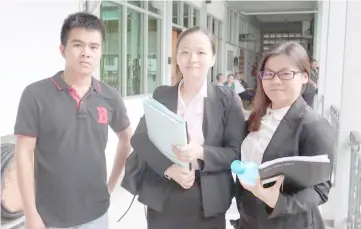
(122, 77)
(180, 25)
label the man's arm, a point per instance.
(24, 154)
(27, 131)
(123, 150)
(121, 126)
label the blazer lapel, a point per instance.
(171, 99)
(285, 129)
(213, 115)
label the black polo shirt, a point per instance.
(72, 133)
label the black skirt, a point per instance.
(184, 210)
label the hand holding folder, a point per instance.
(189, 152)
(165, 129)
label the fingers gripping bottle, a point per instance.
(247, 172)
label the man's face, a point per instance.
(82, 51)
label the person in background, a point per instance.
(240, 77)
(281, 124)
(220, 79)
(238, 87)
(63, 121)
(311, 87)
(247, 94)
(197, 198)
(230, 81)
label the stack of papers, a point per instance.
(301, 171)
(165, 129)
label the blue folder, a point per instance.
(165, 128)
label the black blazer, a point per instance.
(223, 127)
(302, 132)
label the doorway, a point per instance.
(176, 76)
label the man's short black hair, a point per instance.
(81, 20)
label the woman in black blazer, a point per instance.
(180, 198)
(280, 125)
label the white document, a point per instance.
(165, 128)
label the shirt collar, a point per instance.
(278, 114)
(202, 93)
(61, 84)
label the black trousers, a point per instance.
(247, 95)
(184, 210)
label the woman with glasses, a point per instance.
(281, 124)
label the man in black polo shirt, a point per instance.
(64, 120)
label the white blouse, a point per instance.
(254, 145)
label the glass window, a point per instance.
(219, 56)
(154, 72)
(187, 13)
(209, 23)
(234, 28)
(229, 32)
(134, 54)
(175, 12)
(110, 66)
(153, 6)
(214, 69)
(241, 26)
(214, 21)
(196, 17)
(220, 30)
(137, 3)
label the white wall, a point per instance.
(196, 3)
(350, 108)
(218, 10)
(235, 51)
(30, 49)
(335, 53)
(340, 83)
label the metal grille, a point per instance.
(354, 204)
(335, 120)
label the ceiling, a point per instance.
(284, 18)
(276, 11)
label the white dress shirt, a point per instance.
(193, 115)
(254, 145)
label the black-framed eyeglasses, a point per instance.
(283, 75)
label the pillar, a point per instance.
(340, 84)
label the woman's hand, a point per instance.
(183, 176)
(268, 195)
(190, 152)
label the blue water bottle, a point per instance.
(247, 172)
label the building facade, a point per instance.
(139, 51)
